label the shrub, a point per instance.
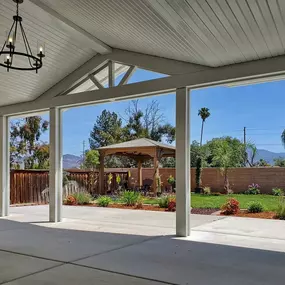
(82, 198)
(139, 204)
(70, 200)
(253, 189)
(163, 202)
(130, 198)
(171, 180)
(198, 175)
(171, 206)
(207, 190)
(277, 192)
(104, 201)
(255, 207)
(280, 212)
(231, 207)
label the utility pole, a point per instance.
(244, 142)
(83, 153)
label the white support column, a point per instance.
(4, 166)
(182, 162)
(55, 172)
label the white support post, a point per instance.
(4, 166)
(183, 162)
(55, 172)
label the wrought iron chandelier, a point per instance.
(10, 53)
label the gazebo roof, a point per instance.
(143, 142)
(139, 147)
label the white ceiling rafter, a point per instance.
(126, 58)
(83, 36)
(96, 82)
(127, 75)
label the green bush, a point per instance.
(255, 207)
(130, 198)
(207, 190)
(82, 198)
(253, 189)
(280, 212)
(163, 202)
(277, 192)
(104, 201)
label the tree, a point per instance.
(106, 131)
(236, 146)
(225, 156)
(196, 152)
(148, 124)
(262, 162)
(91, 160)
(109, 129)
(41, 156)
(283, 138)
(25, 139)
(279, 162)
(204, 113)
(251, 153)
(168, 162)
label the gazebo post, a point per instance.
(156, 171)
(140, 182)
(101, 173)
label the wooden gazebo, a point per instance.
(140, 150)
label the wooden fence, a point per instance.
(32, 186)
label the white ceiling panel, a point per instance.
(207, 32)
(63, 54)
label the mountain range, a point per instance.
(268, 156)
(74, 161)
(71, 161)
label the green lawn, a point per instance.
(207, 201)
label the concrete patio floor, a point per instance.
(112, 246)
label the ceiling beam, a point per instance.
(96, 82)
(99, 62)
(154, 63)
(74, 78)
(82, 36)
(127, 75)
(266, 69)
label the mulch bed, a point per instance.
(144, 207)
(262, 215)
(202, 211)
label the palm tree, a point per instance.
(283, 138)
(204, 114)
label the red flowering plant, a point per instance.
(231, 207)
(70, 200)
(171, 205)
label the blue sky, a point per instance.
(259, 108)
